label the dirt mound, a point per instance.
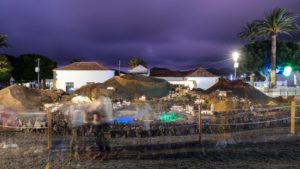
(56, 95)
(21, 98)
(94, 90)
(241, 90)
(128, 86)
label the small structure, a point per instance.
(198, 78)
(177, 108)
(77, 74)
(140, 69)
(203, 78)
(11, 80)
(142, 98)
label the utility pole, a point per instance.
(37, 69)
(119, 67)
(49, 125)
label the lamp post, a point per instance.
(235, 57)
(37, 70)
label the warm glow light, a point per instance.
(235, 56)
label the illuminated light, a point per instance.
(235, 56)
(124, 120)
(236, 64)
(171, 117)
(277, 70)
(287, 71)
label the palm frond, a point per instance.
(280, 20)
(251, 31)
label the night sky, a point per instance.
(178, 34)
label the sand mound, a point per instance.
(241, 90)
(21, 98)
(94, 90)
(128, 86)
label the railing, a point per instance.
(281, 91)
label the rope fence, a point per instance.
(184, 125)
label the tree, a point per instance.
(256, 56)
(250, 31)
(278, 21)
(25, 67)
(3, 43)
(134, 62)
(5, 69)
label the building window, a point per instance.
(69, 86)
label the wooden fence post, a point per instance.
(49, 113)
(49, 117)
(199, 123)
(293, 109)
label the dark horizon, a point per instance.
(170, 34)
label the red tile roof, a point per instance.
(199, 72)
(166, 73)
(83, 66)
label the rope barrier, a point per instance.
(233, 124)
(24, 113)
(23, 127)
(249, 123)
(260, 109)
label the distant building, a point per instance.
(203, 78)
(198, 78)
(77, 74)
(140, 69)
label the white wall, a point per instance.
(197, 82)
(171, 78)
(187, 83)
(204, 82)
(82, 77)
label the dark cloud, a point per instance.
(168, 33)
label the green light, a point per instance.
(171, 117)
(287, 71)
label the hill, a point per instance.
(17, 97)
(241, 90)
(128, 86)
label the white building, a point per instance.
(77, 74)
(140, 69)
(198, 78)
(203, 78)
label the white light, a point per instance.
(235, 56)
(236, 64)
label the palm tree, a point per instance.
(251, 31)
(278, 21)
(135, 61)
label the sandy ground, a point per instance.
(279, 151)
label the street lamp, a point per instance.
(235, 57)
